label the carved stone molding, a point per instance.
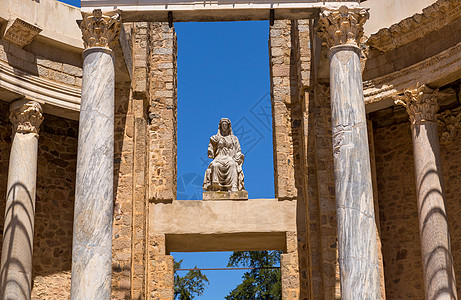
(100, 30)
(343, 26)
(20, 33)
(26, 116)
(449, 121)
(434, 17)
(322, 94)
(421, 104)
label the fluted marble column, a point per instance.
(341, 29)
(92, 235)
(18, 230)
(439, 276)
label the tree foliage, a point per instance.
(190, 285)
(258, 284)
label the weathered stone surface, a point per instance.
(16, 260)
(439, 280)
(358, 262)
(92, 241)
(223, 195)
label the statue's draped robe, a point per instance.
(225, 171)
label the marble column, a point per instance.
(92, 234)
(439, 276)
(18, 230)
(341, 29)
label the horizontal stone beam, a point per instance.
(208, 11)
(255, 241)
(258, 224)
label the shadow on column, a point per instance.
(14, 227)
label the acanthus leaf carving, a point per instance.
(100, 30)
(26, 116)
(421, 104)
(449, 121)
(343, 26)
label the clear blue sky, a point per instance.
(223, 71)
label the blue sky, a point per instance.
(223, 71)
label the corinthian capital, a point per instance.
(26, 116)
(100, 30)
(343, 26)
(421, 104)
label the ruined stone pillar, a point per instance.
(92, 235)
(342, 30)
(439, 276)
(16, 265)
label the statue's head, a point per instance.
(225, 127)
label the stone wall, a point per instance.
(54, 209)
(57, 156)
(162, 129)
(398, 212)
(289, 51)
(41, 60)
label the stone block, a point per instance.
(223, 195)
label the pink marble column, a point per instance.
(439, 277)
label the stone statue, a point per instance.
(224, 173)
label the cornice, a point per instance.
(437, 70)
(55, 96)
(433, 17)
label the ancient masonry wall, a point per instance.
(162, 129)
(52, 248)
(36, 59)
(398, 212)
(398, 209)
(290, 65)
(162, 133)
(129, 230)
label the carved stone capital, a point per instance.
(343, 26)
(26, 116)
(100, 30)
(421, 104)
(449, 121)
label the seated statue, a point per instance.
(224, 173)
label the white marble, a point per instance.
(16, 261)
(92, 235)
(358, 254)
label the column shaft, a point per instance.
(439, 276)
(94, 196)
(16, 262)
(341, 29)
(92, 237)
(358, 260)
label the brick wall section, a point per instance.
(284, 89)
(123, 189)
(162, 130)
(398, 212)
(326, 192)
(290, 268)
(161, 269)
(63, 66)
(54, 208)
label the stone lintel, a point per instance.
(20, 33)
(224, 195)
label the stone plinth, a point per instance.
(224, 195)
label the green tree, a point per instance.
(258, 284)
(190, 285)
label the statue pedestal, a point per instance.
(223, 195)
